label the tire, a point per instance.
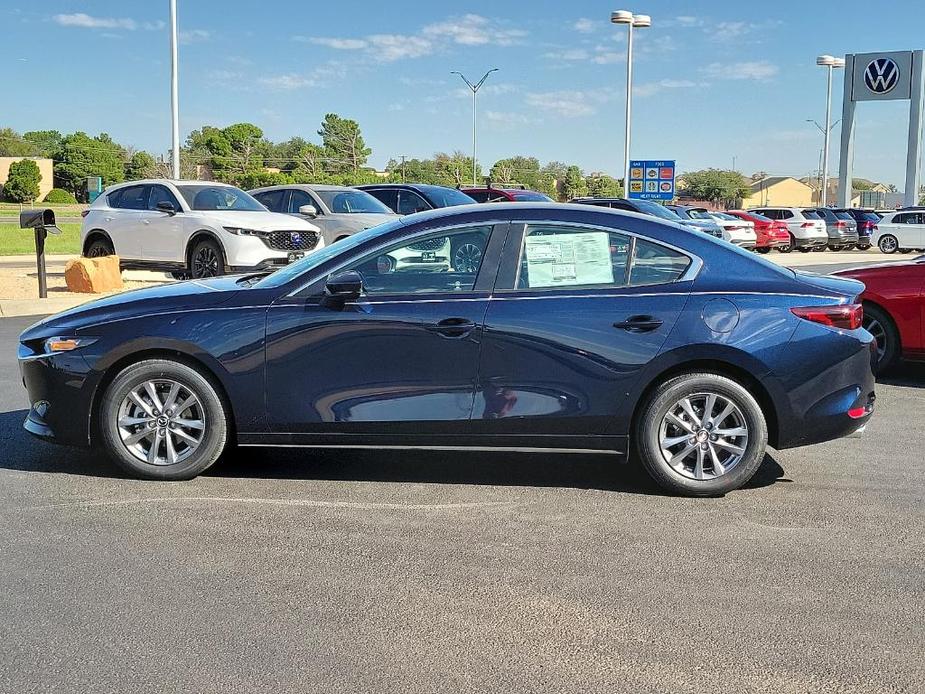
(206, 260)
(905, 251)
(819, 249)
(764, 249)
(788, 249)
(862, 246)
(888, 244)
(99, 248)
(466, 253)
(654, 426)
(879, 324)
(196, 443)
(182, 275)
(805, 249)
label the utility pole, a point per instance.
(474, 88)
(174, 95)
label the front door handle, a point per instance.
(639, 324)
(452, 327)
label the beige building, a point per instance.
(783, 191)
(46, 168)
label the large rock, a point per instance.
(93, 275)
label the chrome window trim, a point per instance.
(689, 274)
(488, 222)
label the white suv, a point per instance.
(901, 231)
(806, 227)
(192, 228)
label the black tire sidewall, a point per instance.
(891, 354)
(667, 394)
(880, 240)
(216, 433)
(215, 246)
(100, 242)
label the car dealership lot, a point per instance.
(348, 571)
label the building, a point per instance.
(46, 168)
(783, 191)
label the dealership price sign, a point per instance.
(651, 179)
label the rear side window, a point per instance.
(387, 196)
(784, 214)
(554, 256)
(272, 200)
(656, 264)
(478, 195)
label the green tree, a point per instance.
(518, 169)
(344, 147)
(82, 156)
(141, 165)
(604, 186)
(575, 186)
(13, 145)
(22, 183)
(716, 185)
(47, 143)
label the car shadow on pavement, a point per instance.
(24, 453)
(908, 375)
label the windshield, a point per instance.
(445, 197)
(531, 196)
(219, 198)
(656, 210)
(351, 202)
(699, 214)
(319, 257)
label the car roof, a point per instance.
(302, 186)
(412, 186)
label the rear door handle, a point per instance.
(452, 327)
(639, 324)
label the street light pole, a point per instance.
(830, 63)
(174, 95)
(474, 88)
(631, 20)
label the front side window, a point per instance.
(410, 202)
(272, 199)
(351, 202)
(161, 194)
(300, 198)
(446, 261)
(387, 196)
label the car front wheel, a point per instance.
(162, 420)
(206, 260)
(701, 434)
(888, 244)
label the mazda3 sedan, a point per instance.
(572, 328)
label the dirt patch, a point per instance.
(18, 282)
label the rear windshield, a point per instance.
(844, 215)
(699, 214)
(656, 210)
(760, 217)
(531, 196)
(811, 214)
(445, 197)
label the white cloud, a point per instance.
(473, 30)
(288, 81)
(609, 57)
(651, 88)
(569, 103)
(87, 22)
(687, 21)
(504, 120)
(339, 44)
(569, 54)
(195, 36)
(759, 70)
(487, 90)
(584, 25)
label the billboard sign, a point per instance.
(651, 179)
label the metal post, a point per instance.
(40, 234)
(846, 154)
(174, 95)
(629, 101)
(474, 135)
(825, 148)
(914, 151)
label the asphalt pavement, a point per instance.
(433, 572)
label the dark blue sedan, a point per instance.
(527, 327)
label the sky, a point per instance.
(714, 82)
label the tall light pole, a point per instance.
(830, 63)
(639, 21)
(174, 95)
(823, 156)
(474, 88)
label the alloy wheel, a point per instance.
(875, 328)
(888, 244)
(205, 262)
(703, 436)
(161, 422)
(467, 258)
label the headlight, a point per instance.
(53, 345)
(238, 231)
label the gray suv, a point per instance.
(841, 228)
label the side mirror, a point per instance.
(309, 211)
(166, 206)
(342, 287)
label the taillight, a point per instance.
(807, 225)
(845, 316)
(84, 213)
(840, 225)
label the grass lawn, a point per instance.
(11, 210)
(16, 241)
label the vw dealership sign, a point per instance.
(883, 77)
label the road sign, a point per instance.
(651, 179)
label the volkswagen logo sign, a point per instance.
(881, 75)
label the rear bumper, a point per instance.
(810, 241)
(842, 239)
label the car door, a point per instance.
(400, 361)
(163, 239)
(916, 233)
(570, 326)
(125, 226)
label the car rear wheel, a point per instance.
(206, 260)
(163, 420)
(879, 324)
(888, 244)
(763, 249)
(701, 434)
(790, 247)
(99, 248)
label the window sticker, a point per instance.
(564, 260)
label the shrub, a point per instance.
(59, 196)
(22, 184)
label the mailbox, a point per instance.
(42, 222)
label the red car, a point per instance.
(505, 195)
(894, 308)
(770, 233)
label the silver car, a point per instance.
(338, 211)
(697, 218)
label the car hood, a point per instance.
(261, 221)
(359, 221)
(702, 224)
(164, 298)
